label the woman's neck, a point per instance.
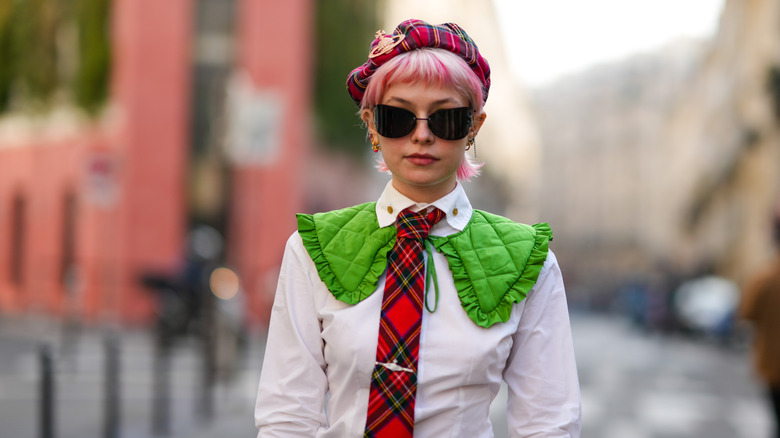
(424, 194)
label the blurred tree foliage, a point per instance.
(345, 29)
(33, 43)
(35, 26)
(7, 58)
(92, 77)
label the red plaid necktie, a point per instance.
(394, 380)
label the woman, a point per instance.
(402, 317)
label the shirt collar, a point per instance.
(455, 204)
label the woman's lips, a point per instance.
(421, 159)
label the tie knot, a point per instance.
(416, 226)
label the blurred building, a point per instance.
(206, 123)
(605, 165)
(667, 165)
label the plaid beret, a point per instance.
(417, 34)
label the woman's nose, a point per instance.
(422, 133)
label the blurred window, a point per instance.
(68, 250)
(18, 233)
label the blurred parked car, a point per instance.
(707, 305)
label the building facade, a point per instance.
(89, 205)
(665, 166)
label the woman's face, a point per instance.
(423, 165)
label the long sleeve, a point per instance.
(293, 382)
(541, 373)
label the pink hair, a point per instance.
(433, 67)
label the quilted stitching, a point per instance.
(348, 248)
(494, 261)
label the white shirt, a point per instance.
(321, 352)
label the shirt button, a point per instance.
(390, 209)
(454, 211)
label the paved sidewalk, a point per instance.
(79, 390)
(634, 385)
(643, 385)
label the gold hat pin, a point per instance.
(386, 43)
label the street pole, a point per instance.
(161, 400)
(47, 393)
(111, 384)
(206, 408)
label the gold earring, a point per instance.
(376, 147)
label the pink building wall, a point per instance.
(133, 215)
(151, 89)
(275, 40)
(127, 172)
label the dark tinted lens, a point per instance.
(450, 124)
(392, 122)
(447, 124)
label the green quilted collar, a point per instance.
(494, 261)
(349, 249)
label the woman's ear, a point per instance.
(373, 136)
(367, 115)
(479, 119)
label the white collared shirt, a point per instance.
(455, 205)
(320, 352)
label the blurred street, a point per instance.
(79, 390)
(634, 385)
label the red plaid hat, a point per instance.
(416, 34)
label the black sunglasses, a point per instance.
(447, 124)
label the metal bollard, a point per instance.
(161, 398)
(111, 385)
(205, 407)
(47, 392)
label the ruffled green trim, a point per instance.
(494, 262)
(348, 248)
